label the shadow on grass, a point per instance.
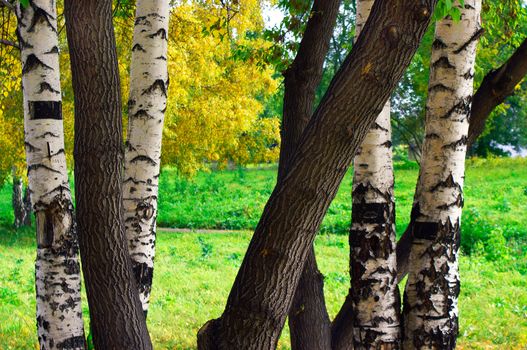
(23, 237)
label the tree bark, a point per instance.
(309, 322)
(146, 112)
(17, 200)
(263, 290)
(496, 87)
(374, 318)
(117, 321)
(430, 301)
(57, 272)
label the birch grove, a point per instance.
(146, 110)
(57, 272)
(431, 295)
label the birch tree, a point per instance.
(370, 317)
(263, 289)
(431, 295)
(146, 112)
(57, 272)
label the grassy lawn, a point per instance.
(194, 272)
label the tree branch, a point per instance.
(496, 87)
(7, 4)
(9, 43)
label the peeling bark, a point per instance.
(430, 301)
(373, 320)
(57, 272)
(264, 287)
(117, 320)
(146, 112)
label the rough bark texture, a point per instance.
(57, 272)
(309, 321)
(373, 305)
(117, 320)
(308, 318)
(431, 295)
(496, 86)
(146, 112)
(263, 290)
(18, 200)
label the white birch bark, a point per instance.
(374, 291)
(431, 294)
(146, 110)
(57, 272)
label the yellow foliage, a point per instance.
(214, 99)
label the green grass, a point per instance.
(194, 272)
(495, 200)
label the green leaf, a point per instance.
(24, 3)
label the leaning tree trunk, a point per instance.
(373, 317)
(146, 112)
(263, 290)
(309, 322)
(117, 320)
(431, 294)
(57, 272)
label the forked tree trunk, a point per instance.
(146, 112)
(373, 322)
(117, 320)
(263, 290)
(431, 294)
(309, 322)
(57, 272)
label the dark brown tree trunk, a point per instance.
(495, 88)
(17, 199)
(117, 320)
(308, 318)
(263, 291)
(27, 207)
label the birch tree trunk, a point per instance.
(146, 111)
(431, 295)
(263, 289)
(117, 320)
(57, 272)
(373, 321)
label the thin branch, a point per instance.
(7, 4)
(9, 43)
